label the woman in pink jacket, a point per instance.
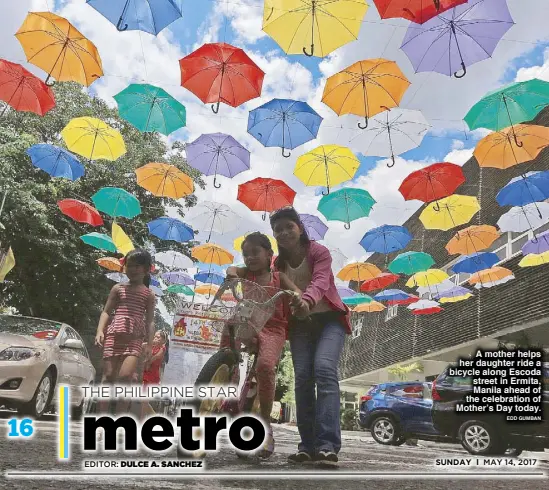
(315, 345)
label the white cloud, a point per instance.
(540, 71)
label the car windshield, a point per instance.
(42, 329)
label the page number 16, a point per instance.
(20, 428)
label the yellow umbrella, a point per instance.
(455, 299)
(93, 139)
(322, 25)
(366, 88)
(372, 307)
(534, 260)
(472, 239)
(53, 44)
(237, 244)
(427, 278)
(212, 254)
(110, 263)
(206, 289)
(449, 212)
(164, 180)
(500, 149)
(358, 271)
(7, 263)
(326, 166)
(122, 241)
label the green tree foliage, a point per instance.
(285, 378)
(56, 276)
(402, 372)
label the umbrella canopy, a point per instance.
(210, 278)
(346, 205)
(425, 307)
(93, 139)
(537, 245)
(469, 264)
(534, 260)
(522, 218)
(284, 123)
(170, 229)
(321, 26)
(237, 244)
(7, 263)
(121, 241)
(454, 295)
(458, 38)
(372, 307)
(219, 72)
(116, 202)
(499, 149)
(314, 227)
(265, 195)
(80, 211)
(173, 259)
(150, 16)
(472, 239)
(206, 289)
(428, 278)
(110, 263)
(99, 241)
(56, 161)
(177, 278)
(53, 44)
(392, 295)
(382, 281)
(358, 271)
(117, 277)
(218, 153)
(23, 91)
(180, 289)
(358, 299)
(386, 239)
(525, 189)
(212, 254)
(346, 292)
(151, 109)
(338, 258)
(411, 262)
(449, 212)
(164, 180)
(327, 165)
(418, 11)
(366, 88)
(491, 275)
(432, 183)
(213, 217)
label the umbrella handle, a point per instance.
(284, 155)
(520, 144)
(264, 217)
(215, 108)
(216, 185)
(390, 165)
(326, 193)
(49, 83)
(347, 226)
(464, 68)
(312, 51)
(119, 25)
(437, 4)
(365, 123)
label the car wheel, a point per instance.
(385, 430)
(479, 438)
(41, 399)
(399, 442)
(513, 452)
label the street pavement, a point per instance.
(361, 461)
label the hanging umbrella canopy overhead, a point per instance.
(534, 260)
(56, 161)
(425, 307)
(237, 244)
(522, 218)
(495, 274)
(338, 258)
(218, 153)
(209, 278)
(499, 149)
(116, 202)
(213, 217)
(180, 289)
(346, 205)
(164, 180)
(372, 307)
(458, 38)
(411, 262)
(382, 281)
(392, 295)
(212, 254)
(174, 260)
(23, 91)
(449, 212)
(265, 195)
(472, 239)
(525, 189)
(418, 11)
(150, 16)
(314, 227)
(151, 109)
(284, 123)
(7, 263)
(122, 242)
(454, 295)
(313, 28)
(111, 264)
(206, 289)
(118, 277)
(358, 299)
(386, 239)
(80, 211)
(177, 277)
(358, 271)
(537, 245)
(346, 292)
(469, 264)
(366, 89)
(170, 229)
(432, 183)
(219, 72)
(428, 278)
(99, 241)
(53, 44)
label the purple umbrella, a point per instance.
(218, 153)
(462, 36)
(315, 228)
(178, 277)
(537, 245)
(346, 292)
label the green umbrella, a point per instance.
(410, 263)
(180, 289)
(150, 109)
(513, 104)
(116, 202)
(346, 205)
(100, 241)
(358, 299)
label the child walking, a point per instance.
(151, 373)
(126, 322)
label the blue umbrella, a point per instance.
(525, 189)
(171, 229)
(391, 295)
(155, 282)
(469, 264)
(386, 239)
(139, 15)
(284, 123)
(209, 277)
(201, 266)
(56, 161)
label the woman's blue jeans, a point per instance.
(316, 348)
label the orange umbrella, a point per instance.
(359, 271)
(495, 274)
(366, 88)
(110, 263)
(164, 180)
(206, 289)
(472, 239)
(372, 307)
(500, 149)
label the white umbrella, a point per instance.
(492, 284)
(522, 218)
(338, 259)
(117, 277)
(157, 291)
(445, 285)
(213, 216)
(173, 259)
(423, 304)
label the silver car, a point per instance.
(36, 356)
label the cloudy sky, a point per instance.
(140, 57)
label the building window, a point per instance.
(392, 312)
(356, 326)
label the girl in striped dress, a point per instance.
(127, 321)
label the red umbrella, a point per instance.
(404, 302)
(428, 311)
(80, 211)
(432, 183)
(380, 282)
(418, 11)
(23, 91)
(265, 195)
(220, 72)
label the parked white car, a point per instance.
(36, 356)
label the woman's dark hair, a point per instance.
(290, 214)
(259, 240)
(141, 257)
